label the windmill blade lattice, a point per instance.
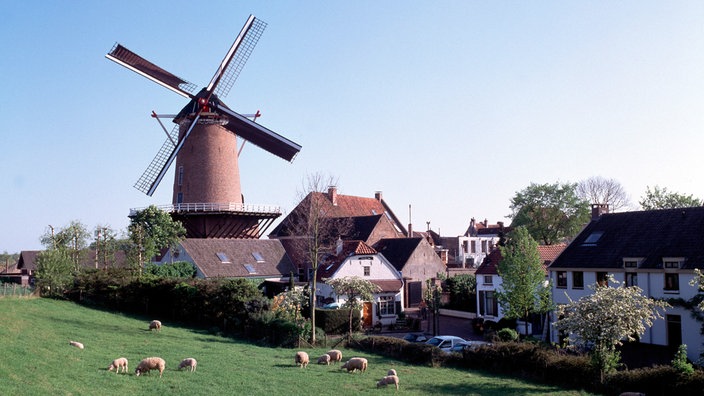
(146, 181)
(239, 59)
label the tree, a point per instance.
(54, 271)
(550, 212)
(72, 239)
(698, 281)
(313, 231)
(356, 290)
(151, 230)
(523, 286)
(660, 198)
(462, 289)
(599, 190)
(105, 245)
(600, 321)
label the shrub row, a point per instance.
(540, 363)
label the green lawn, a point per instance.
(37, 360)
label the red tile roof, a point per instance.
(547, 253)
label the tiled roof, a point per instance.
(349, 248)
(243, 257)
(397, 250)
(388, 286)
(547, 254)
(652, 235)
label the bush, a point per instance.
(507, 334)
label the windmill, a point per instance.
(207, 194)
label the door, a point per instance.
(674, 331)
(367, 314)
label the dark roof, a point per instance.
(652, 235)
(240, 256)
(397, 250)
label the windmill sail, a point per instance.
(146, 181)
(121, 55)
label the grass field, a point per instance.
(37, 360)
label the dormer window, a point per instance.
(671, 264)
(632, 262)
(258, 256)
(593, 238)
(223, 258)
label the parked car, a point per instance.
(445, 343)
(334, 305)
(467, 345)
(415, 337)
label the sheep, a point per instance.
(302, 359)
(155, 325)
(356, 363)
(335, 355)
(117, 364)
(189, 363)
(76, 344)
(148, 364)
(389, 379)
(391, 372)
(324, 359)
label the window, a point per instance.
(465, 246)
(488, 280)
(672, 282)
(473, 244)
(578, 280)
(386, 305)
(258, 256)
(491, 245)
(250, 268)
(179, 198)
(561, 279)
(672, 264)
(483, 246)
(367, 270)
(630, 264)
(223, 258)
(631, 279)
(593, 238)
(490, 304)
(602, 278)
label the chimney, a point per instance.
(410, 223)
(377, 196)
(598, 210)
(332, 195)
(501, 224)
(486, 222)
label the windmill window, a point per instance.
(258, 256)
(223, 258)
(250, 268)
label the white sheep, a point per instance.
(355, 363)
(391, 372)
(76, 344)
(189, 363)
(117, 364)
(389, 379)
(335, 355)
(302, 359)
(324, 359)
(148, 364)
(155, 325)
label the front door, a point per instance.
(674, 331)
(367, 314)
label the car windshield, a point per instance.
(434, 341)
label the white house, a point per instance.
(356, 258)
(478, 242)
(656, 250)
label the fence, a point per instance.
(15, 290)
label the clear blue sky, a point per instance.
(448, 106)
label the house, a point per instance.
(263, 259)
(356, 258)
(27, 263)
(416, 260)
(656, 250)
(478, 241)
(489, 281)
(342, 216)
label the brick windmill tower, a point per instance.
(207, 195)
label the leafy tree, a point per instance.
(105, 245)
(661, 198)
(178, 269)
(462, 289)
(550, 212)
(54, 273)
(151, 230)
(356, 290)
(600, 321)
(599, 190)
(72, 239)
(698, 281)
(523, 286)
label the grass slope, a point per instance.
(37, 360)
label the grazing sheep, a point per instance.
(76, 344)
(148, 364)
(391, 372)
(355, 363)
(389, 379)
(155, 325)
(335, 355)
(324, 359)
(302, 359)
(189, 363)
(117, 363)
